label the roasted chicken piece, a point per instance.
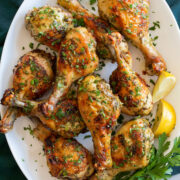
(132, 90)
(130, 148)
(32, 77)
(65, 120)
(132, 19)
(48, 25)
(99, 109)
(100, 29)
(77, 58)
(66, 158)
(129, 85)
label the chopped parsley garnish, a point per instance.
(156, 25)
(78, 22)
(101, 65)
(31, 45)
(87, 136)
(129, 31)
(60, 114)
(92, 2)
(152, 81)
(35, 82)
(29, 129)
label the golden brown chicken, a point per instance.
(77, 58)
(132, 90)
(66, 158)
(65, 120)
(32, 77)
(131, 148)
(132, 19)
(99, 109)
(100, 29)
(48, 25)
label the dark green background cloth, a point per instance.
(8, 167)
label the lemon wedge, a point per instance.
(163, 86)
(165, 119)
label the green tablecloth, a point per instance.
(8, 167)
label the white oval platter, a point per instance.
(27, 150)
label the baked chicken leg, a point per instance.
(131, 88)
(65, 119)
(132, 19)
(131, 148)
(48, 25)
(77, 58)
(66, 158)
(32, 77)
(99, 109)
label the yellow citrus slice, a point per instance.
(163, 86)
(165, 119)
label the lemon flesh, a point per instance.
(165, 119)
(163, 86)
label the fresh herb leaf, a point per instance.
(92, 2)
(78, 22)
(156, 25)
(87, 136)
(60, 113)
(152, 81)
(31, 45)
(29, 129)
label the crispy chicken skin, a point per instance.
(131, 147)
(132, 19)
(129, 85)
(99, 109)
(65, 119)
(32, 77)
(48, 25)
(100, 29)
(66, 158)
(76, 58)
(132, 90)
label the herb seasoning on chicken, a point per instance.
(32, 77)
(66, 158)
(48, 25)
(99, 109)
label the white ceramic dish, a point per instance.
(26, 150)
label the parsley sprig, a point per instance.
(161, 163)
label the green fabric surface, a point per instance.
(8, 167)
